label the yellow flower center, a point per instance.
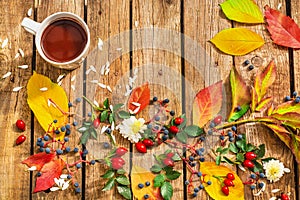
(136, 126)
(273, 170)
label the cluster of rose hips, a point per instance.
(143, 145)
(20, 124)
(249, 156)
(117, 162)
(227, 182)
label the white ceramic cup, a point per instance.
(38, 29)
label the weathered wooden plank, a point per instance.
(72, 83)
(14, 105)
(295, 14)
(204, 64)
(257, 134)
(157, 58)
(109, 21)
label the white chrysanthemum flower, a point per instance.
(61, 184)
(131, 128)
(274, 170)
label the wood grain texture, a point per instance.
(156, 56)
(109, 21)
(14, 105)
(257, 134)
(72, 84)
(204, 64)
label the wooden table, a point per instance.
(175, 69)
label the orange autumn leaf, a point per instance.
(49, 171)
(210, 169)
(207, 104)
(48, 101)
(141, 175)
(139, 99)
(237, 41)
(284, 31)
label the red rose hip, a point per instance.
(228, 182)
(218, 119)
(20, 139)
(174, 129)
(230, 176)
(96, 123)
(141, 147)
(121, 151)
(168, 162)
(250, 155)
(225, 190)
(148, 142)
(248, 164)
(21, 125)
(178, 120)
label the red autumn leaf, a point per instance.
(140, 95)
(284, 31)
(38, 160)
(207, 104)
(50, 170)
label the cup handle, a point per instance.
(30, 25)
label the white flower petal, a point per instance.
(273, 198)
(43, 89)
(96, 103)
(87, 71)
(108, 88)
(102, 85)
(65, 186)
(33, 168)
(93, 68)
(23, 66)
(60, 77)
(106, 71)
(21, 52)
(113, 126)
(29, 12)
(100, 44)
(16, 89)
(286, 170)
(6, 75)
(59, 83)
(102, 70)
(136, 104)
(53, 189)
(73, 78)
(73, 87)
(4, 43)
(103, 129)
(136, 23)
(64, 176)
(94, 81)
(107, 65)
(17, 55)
(119, 49)
(275, 190)
(111, 108)
(57, 181)
(113, 137)
(241, 168)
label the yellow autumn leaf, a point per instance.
(141, 175)
(245, 11)
(237, 41)
(48, 101)
(210, 169)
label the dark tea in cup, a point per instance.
(63, 40)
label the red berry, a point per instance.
(248, 164)
(225, 190)
(20, 139)
(117, 163)
(250, 155)
(284, 197)
(174, 129)
(230, 176)
(218, 119)
(141, 147)
(21, 125)
(168, 162)
(170, 155)
(148, 142)
(121, 151)
(228, 182)
(178, 120)
(96, 123)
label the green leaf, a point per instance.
(84, 137)
(108, 174)
(124, 191)
(257, 166)
(109, 184)
(260, 153)
(159, 180)
(87, 123)
(106, 103)
(172, 175)
(155, 168)
(176, 157)
(123, 180)
(240, 95)
(245, 11)
(233, 148)
(193, 130)
(104, 116)
(123, 114)
(181, 136)
(241, 144)
(250, 147)
(218, 160)
(224, 151)
(93, 133)
(166, 191)
(117, 107)
(121, 171)
(219, 149)
(227, 160)
(240, 157)
(167, 151)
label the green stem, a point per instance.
(244, 121)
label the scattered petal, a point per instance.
(87, 71)
(273, 198)
(102, 70)
(102, 85)
(33, 168)
(43, 89)
(17, 55)
(93, 68)
(103, 129)
(6, 75)
(279, 6)
(242, 168)
(108, 88)
(136, 104)
(286, 170)
(29, 12)
(136, 23)
(23, 66)
(4, 43)
(73, 87)
(96, 103)
(59, 83)
(60, 77)
(64, 176)
(16, 89)
(53, 189)
(107, 71)
(113, 137)
(100, 44)
(275, 190)
(113, 126)
(107, 65)
(21, 52)
(111, 108)
(135, 71)
(94, 81)
(73, 78)
(119, 49)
